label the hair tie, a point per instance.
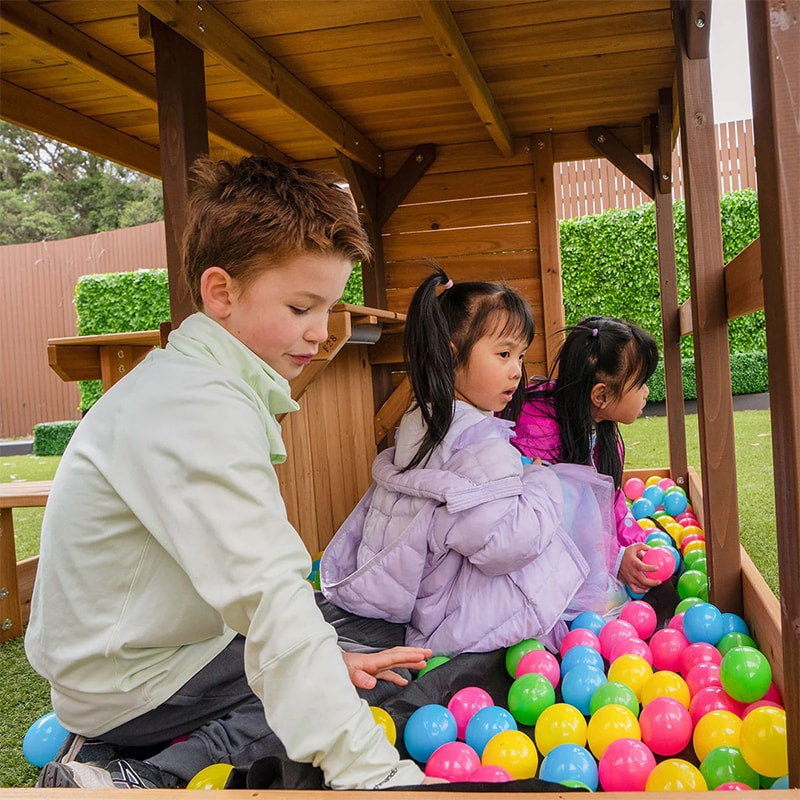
(448, 285)
(594, 333)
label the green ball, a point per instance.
(745, 674)
(614, 693)
(693, 583)
(687, 602)
(573, 784)
(734, 639)
(529, 695)
(725, 764)
(516, 651)
(700, 564)
(434, 662)
(692, 557)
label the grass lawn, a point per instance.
(25, 696)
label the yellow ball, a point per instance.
(645, 523)
(632, 670)
(385, 721)
(514, 751)
(717, 728)
(610, 723)
(558, 724)
(653, 480)
(693, 529)
(763, 741)
(695, 545)
(665, 683)
(212, 777)
(676, 775)
(675, 530)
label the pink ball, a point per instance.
(490, 774)
(666, 483)
(758, 704)
(773, 695)
(662, 558)
(689, 538)
(667, 646)
(579, 636)
(733, 786)
(666, 726)
(625, 766)
(465, 703)
(697, 653)
(642, 616)
(631, 646)
(633, 488)
(686, 519)
(542, 662)
(453, 761)
(706, 673)
(677, 622)
(713, 698)
(612, 632)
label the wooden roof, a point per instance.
(300, 80)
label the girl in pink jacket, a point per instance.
(602, 371)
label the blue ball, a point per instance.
(733, 623)
(659, 539)
(781, 783)
(569, 762)
(677, 556)
(579, 684)
(44, 739)
(702, 622)
(655, 494)
(580, 654)
(486, 723)
(675, 503)
(642, 508)
(427, 728)
(634, 595)
(590, 620)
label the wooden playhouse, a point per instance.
(446, 117)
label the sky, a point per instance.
(730, 70)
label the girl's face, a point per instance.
(492, 374)
(282, 316)
(626, 408)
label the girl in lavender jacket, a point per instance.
(456, 536)
(602, 368)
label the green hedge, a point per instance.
(52, 438)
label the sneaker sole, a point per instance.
(56, 776)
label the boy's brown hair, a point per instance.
(238, 214)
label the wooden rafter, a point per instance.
(607, 144)
(207, 28)
(439, 19)
(112, 69)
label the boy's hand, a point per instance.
(632, 570)
(366, 668)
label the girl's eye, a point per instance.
(505, 354)
(296, 310)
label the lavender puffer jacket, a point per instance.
(471, 553)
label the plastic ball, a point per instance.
(733, 786)
(428, 728)
(514, 751)
(701, 564)
(697, 653)
(590, 620)
(675, 503)
(612, 632)
(716, 729)
(675, 775)
(687, 603)
(773, 694)
(212, 777)
(385, 721)
(745, 674)
(614, 693)
(608, 724)
(763, 741)
(528, 696)
(625, 766)
(453, 761)
(734, 639)
(701, 675)
(677, 622)
(581, 654)
(516, 651)
(633, 488)
(655, 494)
(569, 762)
(432, 663)
(579, 684)
(542, 662)
(43, 739)
(561, 723)
(692, 557)
(632, 670)
(634, 647)
(663, 560)
(642, 508)
(666, 683)
(652, 480)
(781, 783)
(658, 539)
(485, 724)
(666, 726)
(712, 698)
(634, 595)
(465, 703)
(667, 646)
(693, 583)
(725, 764)
(667, 483)
(490, 774)
(702, 622)
(759, 704)
(733, 623)
(642, 616)
(579, 636)
(690, 545)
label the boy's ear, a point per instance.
(599, 395)
(216, 290)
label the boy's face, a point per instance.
(282, 316)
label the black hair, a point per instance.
(598, 349)
(462, 314)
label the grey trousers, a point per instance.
(223, 719)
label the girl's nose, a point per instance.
(318, 330)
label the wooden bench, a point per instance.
(16, 580)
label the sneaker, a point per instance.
(127, 773)
(74, 775)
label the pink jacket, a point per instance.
(538, 436)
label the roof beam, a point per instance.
(112, 69)
(207, 28)
(440, 20)
(31, 111)
(606, 143)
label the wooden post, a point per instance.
(710, 319)
(183, 135)
(774, 43)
